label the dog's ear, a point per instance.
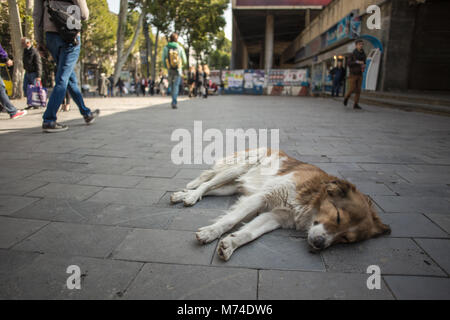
(339, 188)
(379, 228)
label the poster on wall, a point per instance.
(214, 75)
(348, 27)
(233, 81)
(253, 81)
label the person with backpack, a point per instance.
(52, 33)
(174, 58)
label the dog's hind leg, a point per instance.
(225, 190)
(204, 176)
(260, 225)
(221, 178)
(244, 207)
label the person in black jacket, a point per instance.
(357, 64)
(338, 75)
(32, 65)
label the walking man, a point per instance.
(4, 99)
(338, 74)
(66, 56)
(174, 58)
(32, 65)
(356, 63)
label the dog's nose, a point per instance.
(319, 242)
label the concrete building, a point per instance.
(413, 44)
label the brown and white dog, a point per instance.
(279, 191)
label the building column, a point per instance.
(244, 56)
(268, 50)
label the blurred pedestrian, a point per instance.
(32, 65)
(4, 99)
(338, 76)
(121, 85)
(103, 85)
(199, 81)
(65, 53)
(357, 64)
(111, 86)
(144, 85)
(206, 79)
(151, 85)
(191, 81)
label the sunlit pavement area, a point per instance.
(98, 197)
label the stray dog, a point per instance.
(290, 194)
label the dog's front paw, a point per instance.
(191, 198)
(177, 196)
(207, 234)
(225, 248)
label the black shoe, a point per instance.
(53, 127)
(345, 101)
(28, 107)
(357, 107)
(174, 106)
(91, 118)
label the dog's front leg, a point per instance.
(262, 224)
(244, 207)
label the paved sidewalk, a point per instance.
(97, 197)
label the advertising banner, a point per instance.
(289, 77)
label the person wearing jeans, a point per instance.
(32, 65)
(4, 99)
(66, 56)
(176, 72)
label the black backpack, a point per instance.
(60, 19)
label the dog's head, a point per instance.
(343, 215)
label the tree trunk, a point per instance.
(122, 54)
(16, 36)
(148, 46)
(28, 32)
(155, 53)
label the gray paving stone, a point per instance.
(60, 210)
(419, 288)
(128, 196)
(14, 230)
(374, 189)
(99, 168)
(274, 252)
(17, 173)
(177, 282)
(413, 204)
(156, 171)
(426, 177)
(442, 220)
(188, 174)
(439, 250)
(104, 180)
(75, 239)
(13, 261)
(193, 219)
(393, 256)
(123, 215)
(371, 176)
(19, 187)
(412, 225)
(65, 191)
(46, 278)
(10, 204)
(67, 177)
(421, 190)
(297, 285)
(167, 246)
(163, 184)
(386, 167)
